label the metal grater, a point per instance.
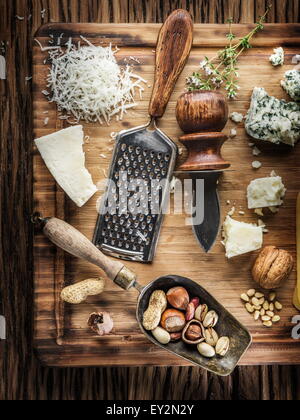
(144, 155)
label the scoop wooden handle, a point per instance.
(75, 243)
(173, 49)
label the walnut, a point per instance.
(272, 267)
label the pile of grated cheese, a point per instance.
(88, 84)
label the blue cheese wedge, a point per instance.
(291, 84)
(241, 238)
(64, 157)
(277, 59)
(266, 192)
(274, 120)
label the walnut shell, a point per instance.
(272, 267)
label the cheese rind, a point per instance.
(265, 192)
(64, 157)
(241, 238)
(273, 120)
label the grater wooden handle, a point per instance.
(75, 243)
(173, 49)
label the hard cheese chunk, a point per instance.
(241, 238)
(63, 154)
(266, 192)
(273, 120)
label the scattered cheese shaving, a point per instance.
(139, 234)
(231, 212)
(46, 120)
(20, 17)
(87, 82)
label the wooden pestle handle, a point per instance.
(75, 243)
(173, 49)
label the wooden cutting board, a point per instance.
(178, 251)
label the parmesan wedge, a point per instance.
(64, 157)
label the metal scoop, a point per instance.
(73, 242)
(128, 226)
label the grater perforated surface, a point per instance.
(129, 221)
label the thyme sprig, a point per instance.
(222, 69)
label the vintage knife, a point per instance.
(202, 115)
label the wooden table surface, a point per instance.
(21, 376)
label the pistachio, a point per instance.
(268, 324)
(265, 318)
(201, 312)
(251, 292)
(206, 350)
(245, 298)
(259, 295)
(272, 296)
(211, 337)
(222, 346)
(270, 314)
(278, 306)
(256, 315)
(211, 319)
(249, 308)
(257, 308)
(262, 301)
(161, 335)
(271, 307)
(276, 319)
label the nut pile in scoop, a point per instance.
(174, 316)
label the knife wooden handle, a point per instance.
(296, 300)
(173, 49)
(75, 243)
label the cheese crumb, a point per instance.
(256, 164)
(237, 117)
(277, 59)
(233, 133)
(291, 84)
(256, 151)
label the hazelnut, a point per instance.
(173, 321)
(178, 297)
(272, 267)
(193, 332)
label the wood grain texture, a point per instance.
(21, 375)
(178, 251)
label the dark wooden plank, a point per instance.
(21, 376)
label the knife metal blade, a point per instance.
(207, 231)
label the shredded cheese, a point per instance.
(87, 83)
